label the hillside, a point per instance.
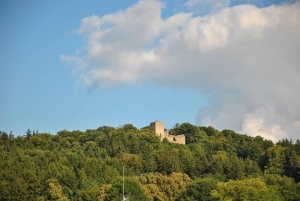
(212, 165)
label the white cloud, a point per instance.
(246, 57)
(255, 127)
(265, 121)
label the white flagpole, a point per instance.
(123, 183)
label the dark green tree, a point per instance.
(200, 189)
(132, 189)
(28, 134)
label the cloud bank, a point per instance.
(246, 59)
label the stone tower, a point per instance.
(159, 128)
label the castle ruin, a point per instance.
(159, 128)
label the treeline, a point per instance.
(88, 165)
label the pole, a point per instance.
(123, 182)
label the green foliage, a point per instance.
(275, 160)
(161, 187)
(199, 164)
(248, 189)
(285, 186)
(200, 189)
(132, 190)
(76, 165)
(56, 192)
(192, 133)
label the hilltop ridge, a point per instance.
(76, 165)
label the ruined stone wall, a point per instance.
(159, 129)
(179, 139)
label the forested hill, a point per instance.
(213, 165)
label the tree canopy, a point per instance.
(213, 165)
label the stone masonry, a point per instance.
(158, 128)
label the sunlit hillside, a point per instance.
(212, 165)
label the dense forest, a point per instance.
(213, 165)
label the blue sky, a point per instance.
(162, 76)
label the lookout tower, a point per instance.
(159, 128)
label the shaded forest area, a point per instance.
(213, 165)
